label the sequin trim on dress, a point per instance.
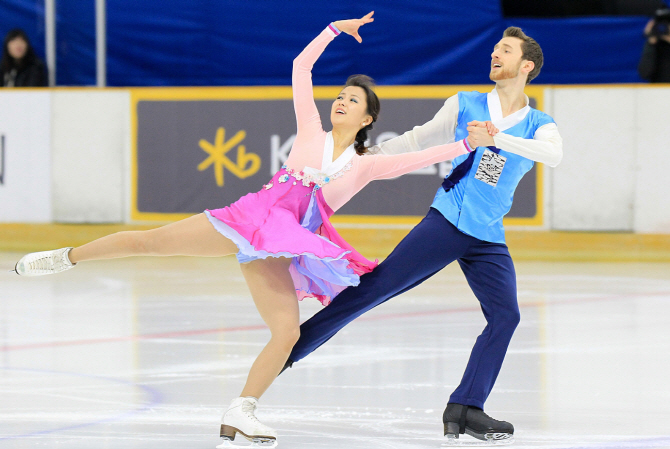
(309, 180)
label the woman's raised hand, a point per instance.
(351, 26)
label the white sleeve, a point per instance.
(546, 146)
(438, 131)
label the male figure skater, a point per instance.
(464, 223)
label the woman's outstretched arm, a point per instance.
(306, 113)
(384, 166)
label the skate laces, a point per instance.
(45, 263)
(54, 262)
(249, 408)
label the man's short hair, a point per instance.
(530, 50)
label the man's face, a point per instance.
(506, 59)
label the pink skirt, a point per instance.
(289, 217)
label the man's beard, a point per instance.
(505, 73)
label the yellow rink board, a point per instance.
(377, 243)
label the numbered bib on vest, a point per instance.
(490, 168)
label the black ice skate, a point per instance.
(461, 419)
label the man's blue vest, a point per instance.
(473, 206)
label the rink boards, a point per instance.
(148, 155)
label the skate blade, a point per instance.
(265, 443)
(490, 439)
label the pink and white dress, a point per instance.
(289, 216)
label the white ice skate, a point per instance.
(44, 262)
(240, 418)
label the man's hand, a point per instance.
(480, 134)
(351, 26)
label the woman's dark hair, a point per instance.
(367, 84)
(8, 63)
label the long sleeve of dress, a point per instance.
(389, 166)
(438, 131)
(382, 166)
(307, 116)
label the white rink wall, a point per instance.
(594, 186)
(91, 155)
(66, 154)
(651, 213)
(25, 157)
(612, 177)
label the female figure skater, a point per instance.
(281, 235)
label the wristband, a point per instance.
(334, 29)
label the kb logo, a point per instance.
(246, 164)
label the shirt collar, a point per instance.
(330, 166)
(495, 111)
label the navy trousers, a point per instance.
(430, 246)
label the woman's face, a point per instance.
(17, 47)
(350, 109)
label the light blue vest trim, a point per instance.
(474, 207)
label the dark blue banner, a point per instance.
(75, 42)
(253, 43)
(588, 50)
(213, 43)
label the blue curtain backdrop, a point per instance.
(226, 42)
(587, 50)
(75, 42)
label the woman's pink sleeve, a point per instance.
(306, 113)
(389, 166)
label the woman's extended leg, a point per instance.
(193, 236)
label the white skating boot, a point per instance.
(240, 418)
(44, 262)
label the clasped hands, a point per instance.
(480, 134)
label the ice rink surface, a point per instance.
(146, 353)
